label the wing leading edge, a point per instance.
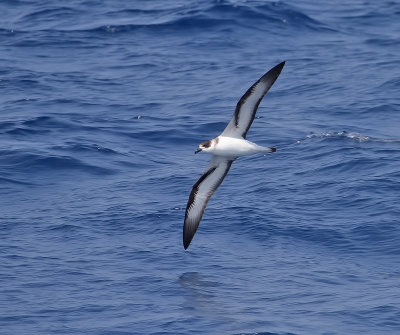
(247, 106)
(201, 193)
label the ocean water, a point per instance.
(102, 105)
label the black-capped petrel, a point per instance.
(225, 148)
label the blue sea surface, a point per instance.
(102, 105)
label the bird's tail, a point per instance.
(269, 149)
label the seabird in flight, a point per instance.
(225, 148)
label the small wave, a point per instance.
(374, 236)
(29, 162)
(14, 181)
(325, 236)
(39, 121)
(334, 135)
(218, 13)
(45, 18)
(350, 135)
(85, 147)
(36, 125)
(225, 13)
(67, 163)
(65, 227)
(383, 41)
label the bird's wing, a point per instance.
(247, 106)
(201, 192)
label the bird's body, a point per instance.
(225, 148)
(231, 147)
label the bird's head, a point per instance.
(205, 146)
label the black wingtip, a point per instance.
(186, 243)
(272, 74)
(187, 236)
(276, 70)
(278, 67)
(273, 149)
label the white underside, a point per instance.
(235, 147)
